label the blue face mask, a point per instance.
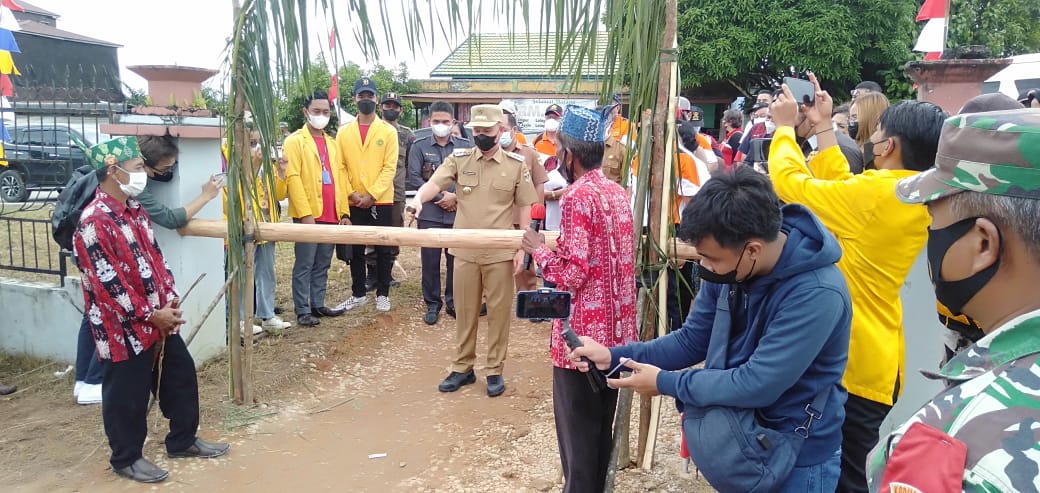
(506, 139)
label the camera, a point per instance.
(543, 304)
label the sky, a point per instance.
(194, 33)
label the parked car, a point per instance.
(39, 157)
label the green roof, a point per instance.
(507, 56)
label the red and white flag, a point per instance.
(933, 36)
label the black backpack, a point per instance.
(78, 192)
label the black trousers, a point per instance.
(584, 430)
(859, 435)
(124, 400)
(431, 271)
(377, 215)
(681, 291)
(370, 257)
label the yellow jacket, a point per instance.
(371, 166)
(303, 176)
(880, 239)
(262, 197)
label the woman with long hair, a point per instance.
(864, 115)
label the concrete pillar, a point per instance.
(950, 83)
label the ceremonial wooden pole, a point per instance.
(492, 239)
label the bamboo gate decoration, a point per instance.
(269, 50)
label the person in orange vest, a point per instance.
(546, 142)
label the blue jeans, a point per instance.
(88, 366)
(817, 478)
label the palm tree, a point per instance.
(269, 48)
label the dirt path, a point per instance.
(354, 387)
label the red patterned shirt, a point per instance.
(125, 277)
(594, 260)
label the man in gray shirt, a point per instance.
(425, 156)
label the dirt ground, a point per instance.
(329, 398)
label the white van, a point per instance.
(1022, 75)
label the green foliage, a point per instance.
(1006, 27)
(754, 44)
(135, 97)
(387, 80)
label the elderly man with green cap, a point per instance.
(984, 258)
(131, 304)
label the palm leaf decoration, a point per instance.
(269, 50)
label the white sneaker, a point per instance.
(77, 388)
(352, 303)
(257, 330)
(275, 323)
(383, 303)
(89, 394)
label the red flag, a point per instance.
(332, 39)
(932, 9)
(933, 55)
(11, 5)
(6, 87)
(334, 89)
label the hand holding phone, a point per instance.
(804, 92)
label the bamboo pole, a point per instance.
(493, 239)
(236, 324)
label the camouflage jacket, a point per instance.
(993, 406)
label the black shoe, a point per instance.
(456, 380)
(7, 389)
(324, 311)
(142, 471)
(278, 310)
(432, 314)
(394, 283)
(450, 311)
(483, 309)
(495, 385)
(201, 449)
(307, 320)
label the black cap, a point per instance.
(391, 97)
(365, 84)
(758, 106)
(554, 108)
(696, 114)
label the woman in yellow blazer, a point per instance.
(313, 173)
(880, 237)
(265, 209)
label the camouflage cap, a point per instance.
(115, 151)
(996, 153)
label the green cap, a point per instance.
(996, 152)
(115, 151)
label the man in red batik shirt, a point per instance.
(131, 305)
(594, 260)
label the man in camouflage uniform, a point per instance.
(984, 259)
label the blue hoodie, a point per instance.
(805, 314)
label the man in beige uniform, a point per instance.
(488, 182)
(613, 155)
(524, 280)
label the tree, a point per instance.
(386, 79)
(752, 48)
(1006, 27)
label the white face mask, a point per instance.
(552, 125)
(441, 130)
(136, 183)
(506, 139)
(770, 126)
(758, 120)
(318, 121)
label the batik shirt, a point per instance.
(993, 406)
(125, 277)
(594, 260)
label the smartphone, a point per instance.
(222, 177)
(804, 91)
(543, 303)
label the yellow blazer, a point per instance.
(371, 166)
(303, 176)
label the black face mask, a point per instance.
(729, 277)
(565, 172)
(868, 155)
(366, 106)
(853, 128)
(163, 177)
(955, 294)
(391, 115)
(485, 142)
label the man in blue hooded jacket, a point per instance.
(771, 271)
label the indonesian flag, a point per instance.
(933, 35)
(12, 5)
